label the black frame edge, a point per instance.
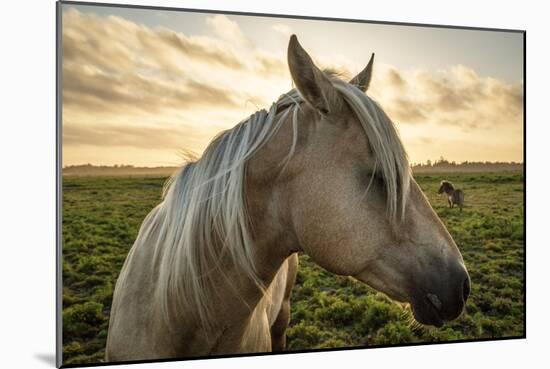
(525, 184)
(59, 187)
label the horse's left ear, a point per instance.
(314, 86)
(362, 80)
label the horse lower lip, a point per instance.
(436, 318)
(427, 313)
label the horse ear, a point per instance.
(313, 84)
(362, 80)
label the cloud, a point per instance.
(90, 89)
(128, 85)
(269, 65)
(114, 66)
(116, 135)
(395, 79)
(113, 43)
(157, 90)
(455, 96)
(226, 29)
(192, 48)
(404, 110)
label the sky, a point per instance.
(140, 86)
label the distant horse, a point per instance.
(454, 197)
(322, 172)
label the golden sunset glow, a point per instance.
(140, 86)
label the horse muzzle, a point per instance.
(445, 300)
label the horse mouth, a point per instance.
(427, 312)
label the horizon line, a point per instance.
(432, 163)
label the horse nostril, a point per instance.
(466, 289)
(435, 301)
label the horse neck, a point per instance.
(234, 302)
(273, 243)
(238, 297)
(272, 237)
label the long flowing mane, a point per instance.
(203, 214)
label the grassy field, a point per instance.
(101, 217)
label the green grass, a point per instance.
(101, 218)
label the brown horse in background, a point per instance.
(454, 196)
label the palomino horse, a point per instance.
(322, 172)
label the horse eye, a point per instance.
(369, 177)
(376, 178)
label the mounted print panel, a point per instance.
(239, 184)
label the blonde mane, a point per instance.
(203, 214)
